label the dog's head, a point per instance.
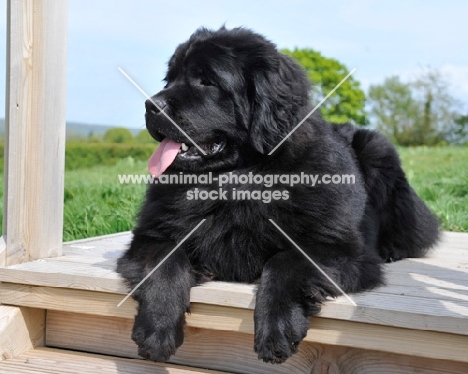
(228, 94)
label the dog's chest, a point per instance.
(221, 261)
(232, 248)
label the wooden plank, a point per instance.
(390, 310)
(387, 339)
(454, 240)
(35, 129)
(54, 361)
(219, 332)
(47, 272)
(105, 261)
(335, 360)
(452, 244)
(21, 329)
(233, 351)
(67, 300)
(119, 241)
(74, 271)
(344, 333)
(120, 237)
(112, 245)
(220, 350)
(439, 269)
(458, 239)
(349, 361)
(71, 270)
(436, 293)
(446, 253)
(97, 272)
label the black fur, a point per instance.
(233, 87)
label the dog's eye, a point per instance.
(205, 82)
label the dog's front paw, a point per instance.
(277, 337)
(159, 341)
(275, 346)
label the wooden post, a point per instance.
(35, 130)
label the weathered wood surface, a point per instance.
(422, 312)
(225, 350)
(21, 329)
(213, 317)
(35, 130)
(55, 361)
(349, 361)
(423, 294)
(112, 334)
(232, 351)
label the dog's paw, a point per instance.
(275, 346)
(277, 338)
(158, 342)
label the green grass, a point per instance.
(440, 177)
(96, 204)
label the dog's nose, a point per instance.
(155, 105)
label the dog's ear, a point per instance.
(279, 88)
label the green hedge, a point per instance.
(80, 155)
(85, 155)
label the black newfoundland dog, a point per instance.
(237, 98)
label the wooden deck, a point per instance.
(418, 322)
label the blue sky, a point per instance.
(379, 38)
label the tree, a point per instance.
(459, 134)
(393, 109)
(346, 104)
(419, 112)
(118, 135)
(437, 107)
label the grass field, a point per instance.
(440, 177)
(96, 204)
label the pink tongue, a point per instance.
(163, 157)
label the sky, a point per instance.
(379, 38)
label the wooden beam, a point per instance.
(423, 311)
(224, 341)
(21, 329)
(35, 130)
(219, 350)
(437, 345)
